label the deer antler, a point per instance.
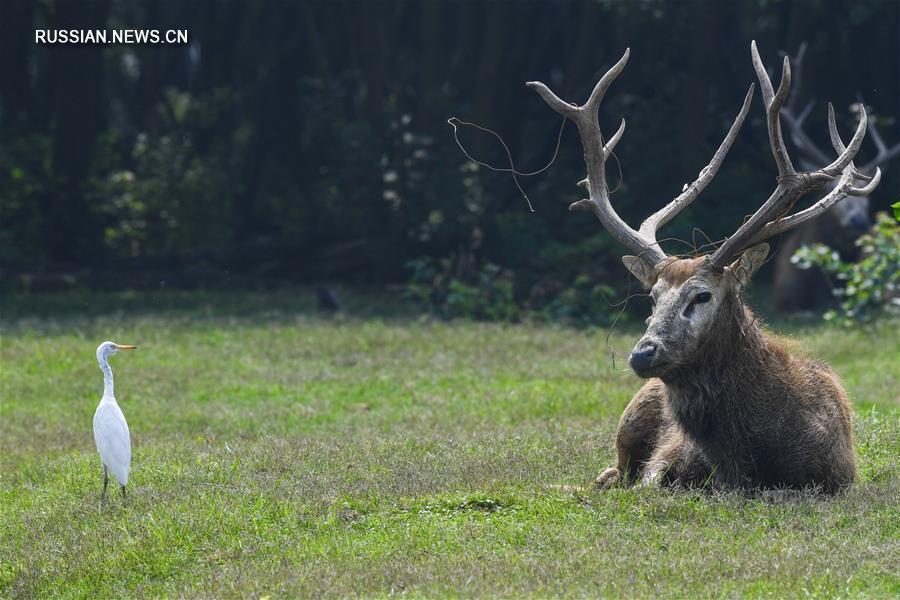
(794, 122)
(770, 218)
(596, 152)
(843, 187)
(885, 154)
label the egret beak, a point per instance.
(125, 347)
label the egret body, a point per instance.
(110, 429)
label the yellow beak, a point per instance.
(125, 347)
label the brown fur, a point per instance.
(733, 407)
(795, 289)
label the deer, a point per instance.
(796, 289)
(726, 404)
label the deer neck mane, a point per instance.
(706, 395)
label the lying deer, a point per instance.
(797, 289)
(725, 402)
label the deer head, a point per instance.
(853, 212)
(693, 304)
(694, 298)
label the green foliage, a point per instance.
(491, 299)
(866, 288)
(26, 177)
(324, 152)
(441, 290)
(454, 287)
(169, 195)
(585, 302)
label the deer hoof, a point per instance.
(607, 478)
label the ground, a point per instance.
(280, 453)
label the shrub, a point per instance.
(445, 290)
(866, 288)
(170, 195)
(583, 303)
(458, 287)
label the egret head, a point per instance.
(107, 349)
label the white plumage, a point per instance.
(110, 428)
(113, 439)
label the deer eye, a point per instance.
(703, 297)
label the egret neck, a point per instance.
(107, 378)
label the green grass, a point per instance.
(277, 453)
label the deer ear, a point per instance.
(748, 262)
(641, 269)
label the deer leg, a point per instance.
(608, 478)
(639, 429)
(676, 460)
(664, 458)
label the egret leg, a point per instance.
(123, 493)
(105, 483)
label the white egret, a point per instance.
(110, 429)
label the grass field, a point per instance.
(282, 454)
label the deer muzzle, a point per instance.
(644, 356)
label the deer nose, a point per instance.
(642, 356)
